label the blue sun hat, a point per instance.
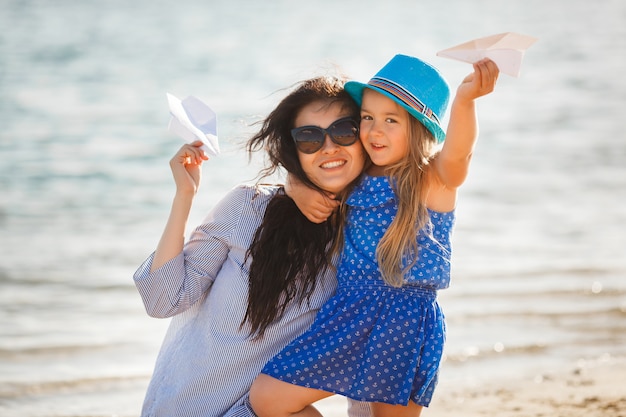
(415, 85)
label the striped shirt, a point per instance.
(207, 363)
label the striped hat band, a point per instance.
(404, 95)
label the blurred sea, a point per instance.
(539, 264)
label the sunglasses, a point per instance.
(310, 139)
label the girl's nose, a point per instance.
(375, 127)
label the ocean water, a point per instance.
(539, 264)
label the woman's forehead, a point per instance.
(320, 114)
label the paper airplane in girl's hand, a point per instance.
(505, 49)
(193, 120)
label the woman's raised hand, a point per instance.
(186, 167)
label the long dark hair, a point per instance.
(288, 251)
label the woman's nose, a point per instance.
(329, 146)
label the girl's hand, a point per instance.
(479, 83)
(315, 205)
(186, 167)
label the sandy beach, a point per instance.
(589, 389)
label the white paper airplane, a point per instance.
(505, 49)
(193, 120)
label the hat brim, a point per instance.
(355, 89)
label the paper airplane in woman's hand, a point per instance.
(193, 120)
(505, 49)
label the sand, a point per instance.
(590, 389)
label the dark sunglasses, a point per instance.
(310, 139)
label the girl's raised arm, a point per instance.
(452, 162)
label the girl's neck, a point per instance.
(376, 171)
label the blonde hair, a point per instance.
(408, 180)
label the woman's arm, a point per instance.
(186, 168)
(182, 280)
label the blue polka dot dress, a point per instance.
(371, 341)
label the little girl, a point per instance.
(380, 337)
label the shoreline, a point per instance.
(590, 388)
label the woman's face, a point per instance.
(333, 167)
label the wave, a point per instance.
(15, 390)
(474, 353)
(36, 279)
(604, 312)
(53, 350)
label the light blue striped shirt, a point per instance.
(207, 363)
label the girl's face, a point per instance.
(333, 167)
(384, 130)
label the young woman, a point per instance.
(252, 276)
